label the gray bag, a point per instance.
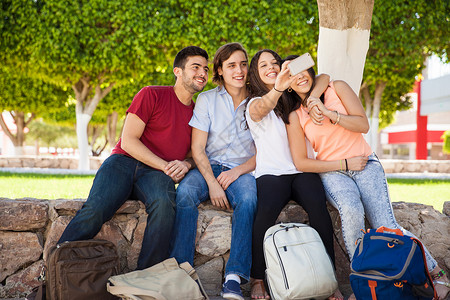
(298, 266)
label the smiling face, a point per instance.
(302, 83)
(194, 75)
(234, 70)
(268, 69)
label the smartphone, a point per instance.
(300, 64)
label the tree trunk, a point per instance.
(21, 122)
(112, 125)
(85, 107)
(344, 39)
(375, 119)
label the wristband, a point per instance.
(346, 165)
(277, 90)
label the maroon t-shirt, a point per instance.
(167, 132)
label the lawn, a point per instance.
(44, 186)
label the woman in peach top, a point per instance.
(336, 136)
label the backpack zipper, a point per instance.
(283, 271)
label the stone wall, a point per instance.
(390, 165)
(29, 227)
(53, 162)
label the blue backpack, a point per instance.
(390, 266)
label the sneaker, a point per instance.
(232, 290)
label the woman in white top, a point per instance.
(277, 179)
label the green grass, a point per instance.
(429, 192)
(45, 186)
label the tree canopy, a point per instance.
(104, 51)
(403, 34)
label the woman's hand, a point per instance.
(315, 102)
(315, 113)
(284, 78)
(357, 163)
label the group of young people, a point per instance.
(259, 118)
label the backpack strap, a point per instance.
(191, 272)
(372, 286)
(427, 273)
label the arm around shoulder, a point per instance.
(356, 120)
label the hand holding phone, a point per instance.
(300, 64)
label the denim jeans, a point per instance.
(119, 178)
(241, 195)
(359, 194)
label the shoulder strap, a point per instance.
(127, 290)
(193, 274)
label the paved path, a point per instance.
(440, 176)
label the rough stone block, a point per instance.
(211, 274)
(17, 249)
(216, 239)
(21, 283)
(22, 215)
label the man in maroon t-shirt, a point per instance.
(148, 160)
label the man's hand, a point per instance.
(228, 177)
(176, 169)
(217, 196)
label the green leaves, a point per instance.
(403, 34)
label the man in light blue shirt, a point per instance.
(224, 153)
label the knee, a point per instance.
(247, 202)
(187, 196)
(164, 209)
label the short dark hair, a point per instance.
(222, 54)
(185, 53)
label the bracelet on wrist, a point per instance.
(346, 165)
(277, 90)
(337, 119)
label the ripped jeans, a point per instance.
(359, 194)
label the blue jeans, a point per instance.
(119, 178)
(241, 195)
(359, 194)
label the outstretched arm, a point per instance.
(261, 107)
(302, 163)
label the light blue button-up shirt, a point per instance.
(229, 143)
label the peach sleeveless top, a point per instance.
(332, 142)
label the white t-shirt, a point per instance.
(273, 156)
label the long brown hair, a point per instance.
(258, 88)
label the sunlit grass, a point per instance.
(46, 186)
(429, 192)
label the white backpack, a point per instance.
(298, 266)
